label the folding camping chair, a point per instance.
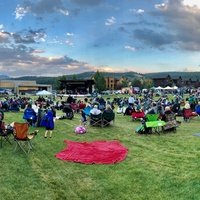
(137, 115)
(188, 114)
(95, 120)
(153, 123)
(5, 133)
(86, 110)
(85, 114)
(22, 137)
(107, 118)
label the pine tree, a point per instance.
(100, 83)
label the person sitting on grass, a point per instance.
(30, 115)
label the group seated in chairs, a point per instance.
(98, 117)
(156, 123)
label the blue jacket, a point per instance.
(47, 120)
(197, 109)
(29, 113)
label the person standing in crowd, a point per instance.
(40, 115)
(48, 123)
(131, 100)
(54, 112)
(70, 99)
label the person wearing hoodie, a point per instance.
(48, 123)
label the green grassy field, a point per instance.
(162, 166)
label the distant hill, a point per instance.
(3, 77)
(89, 75)
(84, 75)
(38, 79)
(184, 75)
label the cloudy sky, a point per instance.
(57, 37)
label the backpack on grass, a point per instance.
(80, 129)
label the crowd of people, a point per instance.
(42, 111)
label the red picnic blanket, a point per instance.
(97, 152)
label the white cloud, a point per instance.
(38, 51)
(192, 3)
(181, 18)
(20, 12)
(130, 48)
(110, 21)
(140, 11)
(69, 43)
(41, 7)
(21, 61)
(40, 37)
(69, 34)
(160, 6)
(4, 37)
(64, 12)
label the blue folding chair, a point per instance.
(85, 113)
(86, 110)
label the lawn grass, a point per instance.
(162, 166)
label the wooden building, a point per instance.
(111, 83)
(23, 87)
(179, 82)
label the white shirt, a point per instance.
(95, 111)
(131, 99)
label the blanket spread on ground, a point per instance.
(97, 152)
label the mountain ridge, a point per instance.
(88, 75)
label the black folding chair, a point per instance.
(107, 118)
(5, 133)
(95, 120)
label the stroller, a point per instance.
(69, 114)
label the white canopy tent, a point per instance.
(158, 88)
(43, 93)
(168, 88)
(175, 87)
